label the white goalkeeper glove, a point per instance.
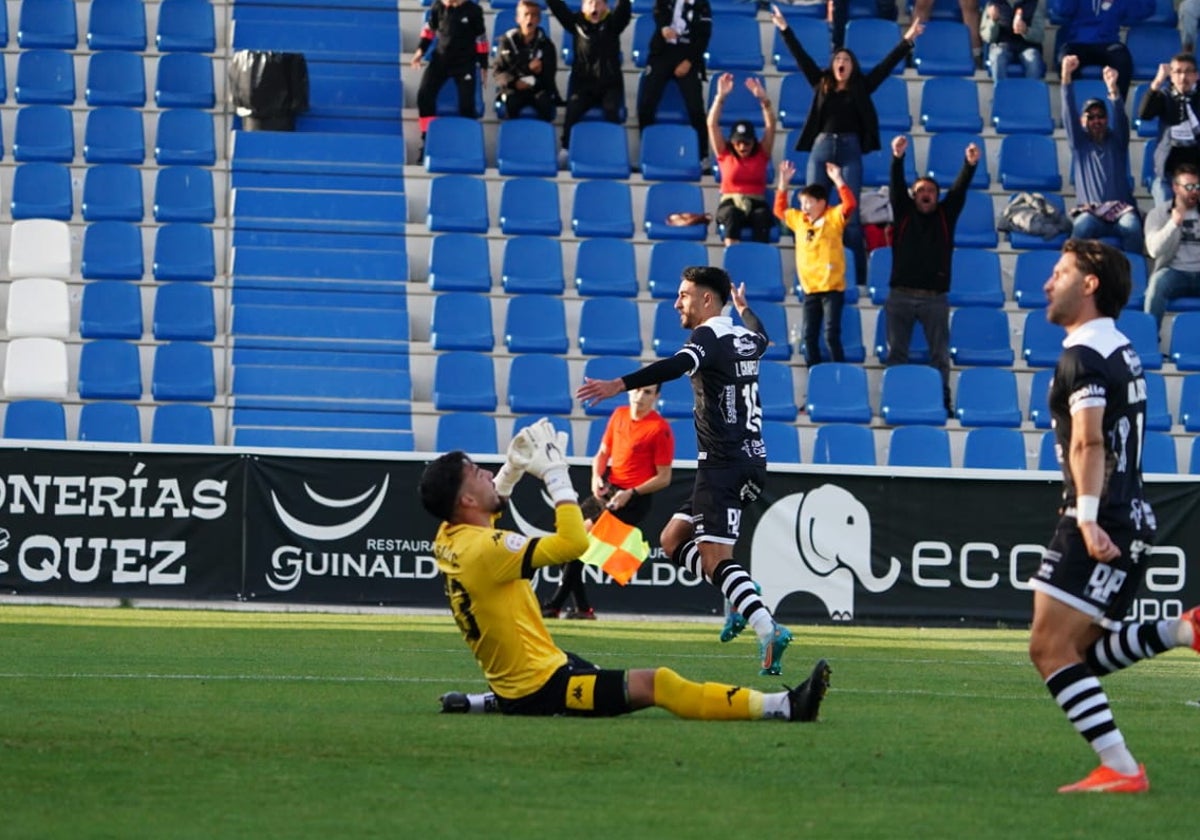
(516, 462)
(548, 461)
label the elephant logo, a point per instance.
(817, 542)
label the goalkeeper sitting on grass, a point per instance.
(487, 573)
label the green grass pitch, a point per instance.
(128, 723)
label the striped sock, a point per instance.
(1129, 644)
(1078, 693)
(738, 587)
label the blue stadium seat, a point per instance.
(1189, 409)
(1158, 414)
(666, 335)
(458, 262)
(813, 35)
(838, 393)
(666, 197)
(1021, 105)
(184, 251)
(42, 191)
(911, 394)
(109, 369)
(987, 397)
(741, 105)
(795, 100)
(35, 420)
(1020, 240)
(456, 203)
(110, 309)
(774, 320)
(994, 449)
(45, 77)
(735, 44)
(184, 194)
(183, 371)
(116, 78)
(529, 206)
(464, 381)
(532, 264)
(606, 267)
(535, 324)
(447, 99)
(676, 399)
(871, 39)
(668, 258)
(945, 158)
(598, 149)
(1137, 275)
(186, 26)
(560, 424)
(182, 423)
(607, 367)
(1158, 453)
(184, 80)
(455, 144)
(879, 274)
(1184, 348)
(670, 152)
(47, 24)
(110, 422)
(602, 208)
(609, 326)
(538, 384)
(1141, 330)
(1047, 454)
(116, 25)
(1032, 270)
(1039, 398)
(44, 133)
(1029, 162)
(643, 31)
(976, 226)
(114, 135)
(684, 432)
(467, 431)
(112, 251)
(461, 321)
(112, 192)
(777, 391)
(844, 443)
(1150, 46)
(1164, 14)
(951, 103)
(757, 264)
(891, 106)
(1041, 344)
(1143, 127)
(783, 444)
(977, 280)
(526, 147)
(944, 49)
(185, 135)
(979, 336)
(184, 312)
(877, 165)
(918, 446)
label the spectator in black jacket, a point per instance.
(681, 33)
(922, 251)
(596, 78)
(462, 47)
(1173, 98)
(526, 64)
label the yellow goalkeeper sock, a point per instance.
(705, 701)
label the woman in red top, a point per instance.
(633, 461)
(743, 163)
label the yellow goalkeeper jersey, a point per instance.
(487, 573)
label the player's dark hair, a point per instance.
(440, 484)
(816, 192)
(1111, 268)
(712, 278)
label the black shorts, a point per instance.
(718, 497)
(1105, 591)
(578, 688)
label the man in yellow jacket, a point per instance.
(820, 256)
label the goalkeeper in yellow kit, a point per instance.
(487, 573)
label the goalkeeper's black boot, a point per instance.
(805, 699)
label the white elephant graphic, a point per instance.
(817, 542)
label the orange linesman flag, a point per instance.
(617, 548)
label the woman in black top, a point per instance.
(842, 124)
